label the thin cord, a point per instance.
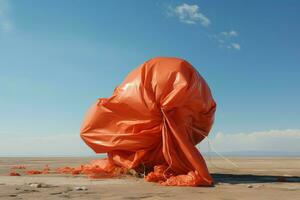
(210, 147)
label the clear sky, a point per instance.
(57, 57)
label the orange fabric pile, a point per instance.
(14, 174)
(44, 171)
(155, 118)
(168, 179)
(96, 169)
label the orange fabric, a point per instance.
(32, 172)
(14, 174)
(155, 118)
(96, 169)
(159, 175)
(46, 170)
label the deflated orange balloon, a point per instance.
(154, 119)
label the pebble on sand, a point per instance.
(35, 185)
(80, 188)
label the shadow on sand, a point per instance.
(247, 178)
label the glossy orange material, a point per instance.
(155, 118)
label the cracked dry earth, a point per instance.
(254, 178)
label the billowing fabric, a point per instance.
(155, 118)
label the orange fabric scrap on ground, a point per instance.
(32, 172)
(14, 174)
(96, 169)
(154, 118)
(44, 171)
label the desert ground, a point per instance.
(253, 178)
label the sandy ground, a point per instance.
(254, 178)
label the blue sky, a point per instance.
(57, 57)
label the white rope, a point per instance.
(210, 147)
(220, 155)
